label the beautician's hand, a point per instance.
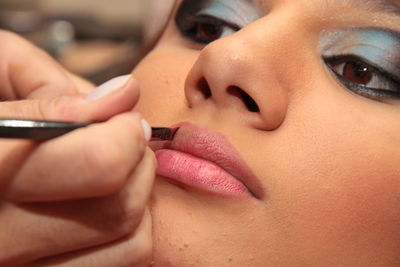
(80, 199)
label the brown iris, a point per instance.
(208, 31)
(358, 73)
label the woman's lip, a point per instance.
(198, 173)
(223, 171)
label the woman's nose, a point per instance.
(233, 74)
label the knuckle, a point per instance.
(27, 107)
(10, 42)
(63, 108)
(125, 218)
(104, 165)
(40, 108)
(128, 213)
(130, 216)
(139, 204)
(143, 255)
(8, 36)
(142, 243)
(44, 109)
(114, 217)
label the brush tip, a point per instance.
(163, 133)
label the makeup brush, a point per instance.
(44, 130)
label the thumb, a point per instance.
(113, 97)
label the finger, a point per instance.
(81, 86)
(45, 229)
(31, 232)
(133, 250)
(140, 183)
(123, 93)
(14, 153)
(90, 162)
(24, 68)
(69, 108)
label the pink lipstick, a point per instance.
(204, 160)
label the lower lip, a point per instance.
(197, 173)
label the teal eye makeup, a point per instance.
(365, 60)
(204, 21)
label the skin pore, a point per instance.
(311, 101)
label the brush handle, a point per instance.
(44, 130)
(36, 130)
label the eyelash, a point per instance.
(336, 63)
(194, 25)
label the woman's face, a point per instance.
(297, 100)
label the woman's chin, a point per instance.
(191, 228)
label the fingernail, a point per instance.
(107, 88)
(146, 129)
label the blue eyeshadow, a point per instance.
(380, 47)
(238, 12)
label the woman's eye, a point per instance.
(205, 30)
(208, 32)
(363, 78)
(355, 72)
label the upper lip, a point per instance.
(213, 146)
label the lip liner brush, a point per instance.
(44, 130)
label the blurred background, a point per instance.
(97, 39)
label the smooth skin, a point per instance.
(80, 199)
(327, 157)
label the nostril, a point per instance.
(204, 88)
(250, 104)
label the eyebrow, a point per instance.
(384, 6)
(391, 6)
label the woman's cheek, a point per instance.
(161, 77)
(349, 220)
(341, 199)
